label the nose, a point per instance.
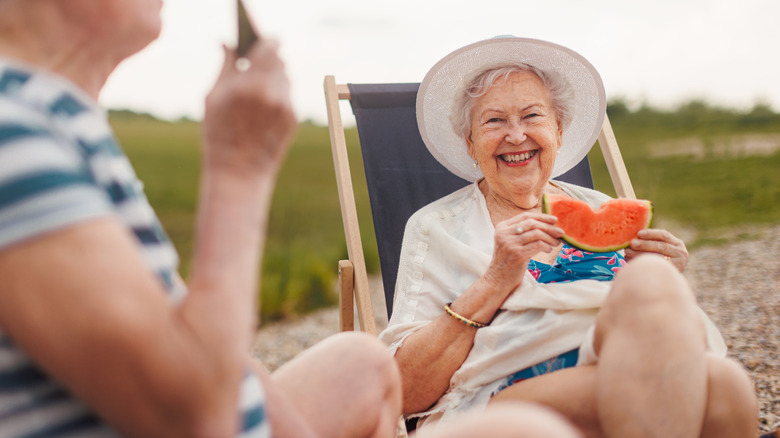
(515, 132)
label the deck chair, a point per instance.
(402, 177)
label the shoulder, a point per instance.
(44, 175)
(28, 93)
(18, 114)
(32, 143)
(449, 206)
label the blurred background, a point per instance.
(663, 52)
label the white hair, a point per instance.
(561, 94)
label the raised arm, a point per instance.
(84, 305)
(247, 127)
(429, 357)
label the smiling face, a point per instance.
(515, 138)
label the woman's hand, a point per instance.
(659, 242)
(249, 118)
(517, 240)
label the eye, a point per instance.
(494, 120)
(532, 115)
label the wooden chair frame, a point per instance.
(353, 278)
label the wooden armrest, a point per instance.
(346, 296)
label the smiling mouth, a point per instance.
(518, 158)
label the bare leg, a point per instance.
(651, 344)
(570, 391)
(732, 410)
(506, 420)
(345, 386)
(732, 407)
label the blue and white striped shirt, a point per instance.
(59, 165)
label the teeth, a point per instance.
(515, 158)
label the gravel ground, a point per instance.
(737, 285)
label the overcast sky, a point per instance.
(662, 52)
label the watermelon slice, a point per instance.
(609, 228)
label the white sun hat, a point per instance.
(436, 98)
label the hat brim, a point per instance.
(435, 98)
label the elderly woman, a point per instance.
(490, 305)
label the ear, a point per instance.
(470, 147)
(560, 138)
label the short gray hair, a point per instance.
(561, 93)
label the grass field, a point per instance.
(705, 197)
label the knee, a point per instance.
(731, 400)
(649, 297)
(369, 359)
(649, 286)
(365, 349)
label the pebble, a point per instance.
(736, 285)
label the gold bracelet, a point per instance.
(462, 319)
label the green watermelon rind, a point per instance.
(584, 246)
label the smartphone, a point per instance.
(246, 32)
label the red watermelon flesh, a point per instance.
(609, 228)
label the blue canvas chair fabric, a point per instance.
(401, 177)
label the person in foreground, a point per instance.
(98, 334)
(490, 305)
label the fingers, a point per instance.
(659, 242)
(263, 55)
(534, 227)
(249, 117)
(657, 234)
(533, 232)
(529, 221)
(229, 64)
(528, 234)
